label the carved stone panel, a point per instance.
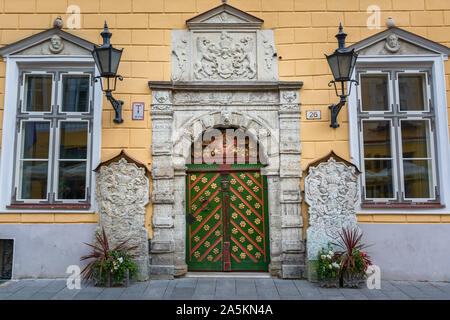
(332, 193)
(223, 51)
(224, 56)
(122, 192)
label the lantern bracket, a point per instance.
(110, 87)
(336, 108)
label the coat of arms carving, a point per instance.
(229, 57)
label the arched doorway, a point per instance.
(227, 227)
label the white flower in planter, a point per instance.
(120, 259)
(331, 253)
(323, 257)
(336, 265)
(328, 256)
(330, 266)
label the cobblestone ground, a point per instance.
(221, 289)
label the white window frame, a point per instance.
(438, 93)
(18, 160)
(23, 93)
(14, 63)
(57, 159)
(432, 153)
(390, 92)
(393, 159)
(60, 92)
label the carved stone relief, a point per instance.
(56, 44)
(391, 44)
(225, 55)
(122, 192)
(332, 193)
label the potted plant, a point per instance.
(109, 267)
(328, 268)
(353, 261)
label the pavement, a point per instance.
(221, 289)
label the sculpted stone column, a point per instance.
(122, 192)
(332, 193)
(162, 244)
(292, 247)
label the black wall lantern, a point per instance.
(107, 59)
(342, 62)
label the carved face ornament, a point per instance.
(392, 44)
(56, 45)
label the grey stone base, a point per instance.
(293, 271)
(312, 270)
(275, 269)
(142, 266)
(162, 272)
(180, 271)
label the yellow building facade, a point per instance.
(303, 32)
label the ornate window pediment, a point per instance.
(49, 42)
(396, 41)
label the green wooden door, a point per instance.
(204, 234)
(227, 221)
(248, 223)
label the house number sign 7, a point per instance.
(138, 111)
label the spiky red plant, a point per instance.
(350, 240)
(100, 253)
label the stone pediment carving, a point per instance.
(396, 41)
(224, 16)
(224, 44)
(49, 42)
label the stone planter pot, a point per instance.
(353, 280)
(110, 282)
(329, 283)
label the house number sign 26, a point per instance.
(138, 111)
(313, 115)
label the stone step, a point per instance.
(234, 275)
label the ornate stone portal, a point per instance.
(332, 193)
(122, 192)
(225, 74)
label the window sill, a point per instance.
(402, 206)
(45, 206)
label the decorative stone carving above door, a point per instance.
(224, 44)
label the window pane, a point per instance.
(35, 140)
(377, 139)
(415, 139)
(33, 182)
(72, 180)
(38, 93)
(374, 92)
(73, 140)
(75, 94)
(378, 175)
(417, 175)
(411, 91)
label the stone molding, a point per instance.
(263, 117)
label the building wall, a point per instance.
(304, 31)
